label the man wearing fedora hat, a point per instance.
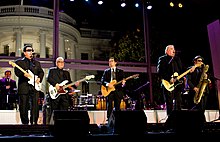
(197, 79)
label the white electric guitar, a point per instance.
(54, 93)
(32, 78)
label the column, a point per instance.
(18, 42)
(42, 44)
(62, 46)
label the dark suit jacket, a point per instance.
(4, 83)
(106, 78)
(24, 63)
(167, 66)
(54, 76)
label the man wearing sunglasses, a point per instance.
(30, 75)
(197, 80)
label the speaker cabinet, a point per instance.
(186, 121)
(70, 123)
(128, 122)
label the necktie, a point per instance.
(113, 74)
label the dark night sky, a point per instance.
(185, 28)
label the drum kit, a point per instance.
(98, 102)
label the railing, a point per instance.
(85, 64)
(28, 10)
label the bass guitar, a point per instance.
(170, 86)
(54, 93)
(106, 90)
(32, 78)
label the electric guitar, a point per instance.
(54, 93)
(32, 78)
(170, 86)
(106, 90)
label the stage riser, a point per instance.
(99, 116)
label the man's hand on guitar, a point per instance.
(27, 75)
(37, 80)
(71, 90)
(172, 80)
(123, 83)
(77, 83)
(110, 85)
(57, 86)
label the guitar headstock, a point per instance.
(12, 63)
(198, 65)
(135, 76)
(89, 77)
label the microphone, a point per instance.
(32, 55)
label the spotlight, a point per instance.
(123, 4)
(171, 4)
(149, 6)
(100, 2)
(180, 5)
(136, 4)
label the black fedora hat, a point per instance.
(198, 57)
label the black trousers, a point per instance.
(29, 102)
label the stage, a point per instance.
(99, 130)
(99, 116)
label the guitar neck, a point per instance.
(183, 74)
(20, 68)
(123, 79)
(64, 87)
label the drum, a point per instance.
(123, 104)
(100, 103)
(74, 100)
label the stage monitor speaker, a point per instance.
(70, 123)
(186, 121)
(128, 122)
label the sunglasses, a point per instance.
(29, 50)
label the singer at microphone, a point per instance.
(29, 85)
(169, 66)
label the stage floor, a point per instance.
(99, 116)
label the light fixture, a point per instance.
(180, 5)
(171, 4)
(149, 5)
(123, 4)
(100, 2)
(136, 4)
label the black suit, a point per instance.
(116, 95)
(166, 67)
(8, 96)
(63, 101)
(26, 91)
